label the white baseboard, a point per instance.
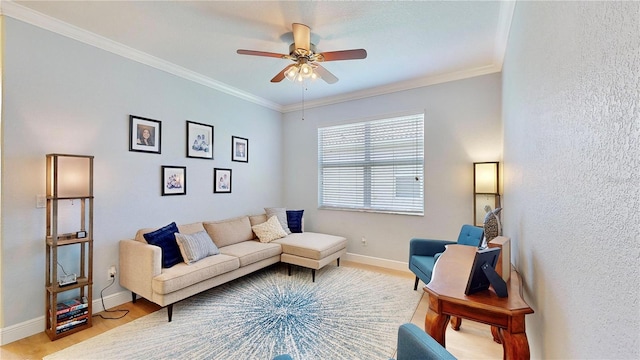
(384, 263)
(34, 326)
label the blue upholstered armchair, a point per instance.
(423, 253)
(414, 343)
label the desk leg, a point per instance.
(514, 345)
(455, 323)
(496, 334)
(436, 325)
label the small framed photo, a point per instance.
(221, 180)
(239, 149)
(199, 140)
(144, 134)
(174, 180)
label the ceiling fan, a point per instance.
(306, 59)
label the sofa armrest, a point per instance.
(414, 343)
(427, 247)
(139, 264)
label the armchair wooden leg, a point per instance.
(133, 297)
(415, 285)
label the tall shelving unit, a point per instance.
(69, 179)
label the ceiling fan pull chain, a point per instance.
(304, 88)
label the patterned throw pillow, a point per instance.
(281, 213)
(165, 239)
(270, 230)
(196, 246)
(294, 220)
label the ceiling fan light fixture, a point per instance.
(292, 73)
(306, 71)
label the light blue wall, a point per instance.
(64, 96)
(572, 175)
(462, 125)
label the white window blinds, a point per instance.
(373, 166)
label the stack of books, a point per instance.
(71, 313)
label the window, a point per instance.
(373, 166)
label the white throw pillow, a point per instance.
(269, 230)
(196, 246)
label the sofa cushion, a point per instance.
(194, 247)
(281, 213)
(183, 275)
(269, 231)
(257, 219)
(166, 240)
(312, 245)
(294, 220)
(249, 252)
(229, 231)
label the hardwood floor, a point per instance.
(473, 341)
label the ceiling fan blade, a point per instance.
(325, 75)
(342, 55)
(281, 74)
(301, 36)
(262, 53)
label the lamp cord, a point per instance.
(113, 280)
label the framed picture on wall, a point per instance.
(144, 134)
(221, 180)
(174, 180)
(239, 149)
(199, 140)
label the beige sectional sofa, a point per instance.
(241, 253)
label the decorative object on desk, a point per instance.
(221, 180)
(69, 179)
(267, 313)
(174, 180)
(239, 149)
(199, 140)
(492, 225)
(483, 273)
(144, 134)
(504, 260)
(486, 189)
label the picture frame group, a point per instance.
(145, 136)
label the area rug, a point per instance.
(347, 313)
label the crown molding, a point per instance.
(502, 32)
(395, 87)
(19, 12)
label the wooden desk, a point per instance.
(447, 298)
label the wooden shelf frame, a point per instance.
(54, 240)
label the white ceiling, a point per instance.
(409, 44)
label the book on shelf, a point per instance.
(71, 325)
(72, 314)
(70, 305)
(72, 321)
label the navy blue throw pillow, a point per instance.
(166, 240)
(294, 219)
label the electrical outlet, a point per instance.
(111, 272)
(364, 241)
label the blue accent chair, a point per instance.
(415, 344)
(423, 253)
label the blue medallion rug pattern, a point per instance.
(347, 313)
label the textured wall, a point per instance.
(462, 125)
(64, 96)
(571, 168)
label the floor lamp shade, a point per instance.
(485, 189)
(69, 176)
